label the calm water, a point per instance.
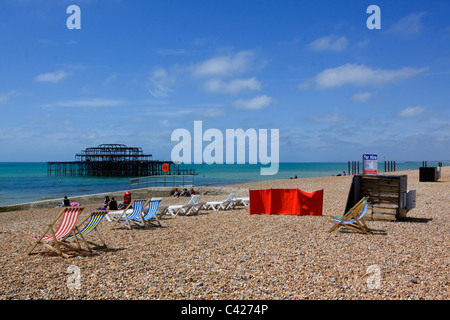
(22, 182)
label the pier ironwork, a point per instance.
(115, 160)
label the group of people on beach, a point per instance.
(111, 204)
(108, 204)
(185, 193)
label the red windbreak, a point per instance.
(286, 201)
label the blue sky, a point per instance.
(138, 70)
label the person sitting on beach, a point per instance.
(113, 204)
(176, 193)
(106, 203)
(66, 202)
(192, 192)
(186, 193)
(126, 200)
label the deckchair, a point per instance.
(126, 217)
(356, 224)
(162, 211)
(69, 217)
(224, 205)
(94, 220)
(145, 220)
(352, 219)
(116, 214)
(194, 205)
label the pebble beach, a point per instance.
(232, 255)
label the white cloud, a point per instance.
(209, 112)
(233, 86)
(174, 113)
(87, 103)
(5, 96)
(362, 44)
(409, 25)
(159, 83)
(359, 75)
(254, 104)
(412, 112)
(53, 77)
(335, 116)
(362, 97)
(330, 43)
(111, 78)
(164, 123)
(224, 65)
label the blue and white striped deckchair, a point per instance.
(94, 220)
(144, 220)
(125, 218)
(355, 223)
(349, 215)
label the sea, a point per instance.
(22, 182)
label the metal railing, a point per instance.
(163, 181)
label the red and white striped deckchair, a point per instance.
(67, 225)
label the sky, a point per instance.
(135, 71)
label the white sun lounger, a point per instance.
(242, 201)
(224, 205)
(193, 205)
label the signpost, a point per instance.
(370, 164)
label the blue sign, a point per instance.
(370, 157)
(370, 163)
